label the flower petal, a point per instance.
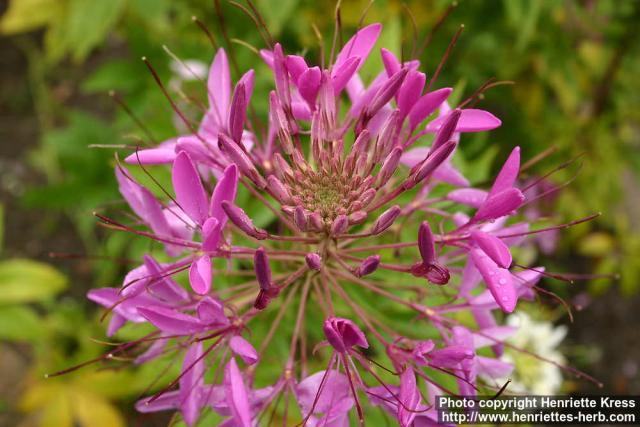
(236, 395)
(200, 275)
(244, 349)
(471, 120)
(499, 280)
(219, 87)
(187, 185)
(359, 45)
(226, 189)
(492, 246)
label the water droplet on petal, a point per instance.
(502, 281)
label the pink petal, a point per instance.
(162, 284)
(309, 84)
(151, 156)
(190, 193)
(414, 156)
(190, 383)
(200, 275)
(359, 45)
(468, 196)
(219, 87)
(471, 120)
(226, 189)
(508, 174)
(211, 234)
(167, 401)
(498, 280)
(499, 205)
(494, 247)
(426, 105)
(296, 65)
(410, 91)
(341, 75)
(493, 368)
(390, 62)
(171, 321)
(409, 396)
(449, 174)
(236, 395)
(244, 349)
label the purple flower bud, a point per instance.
(316, 222)
(313, 260)
(242, 221)
(426, 243)
(431, 163)
(282, 168)
(387, 91)
(343, 334)
(238, 113)
(278, 189)
(340, 225)
(445, 133)
(434, 273)
(368, 266)
(386, 219)
(367, 196)
(300, 218)
(240, 158)
(357, 217)
(389, 166)
(262, 269)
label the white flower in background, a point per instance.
(531, 375)
(187, 70)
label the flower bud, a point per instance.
(389, 166)
(357, 217)
(340, 225)
(343, 334)
(445, 133)
(386, 219)
(262, 269)
(313, 260)
(278, 189)
(430, 164)
(300, 218)
(368, 266)
(426, 244)
(241, 220)
(240, 158)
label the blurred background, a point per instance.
(576, 96)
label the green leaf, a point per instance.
(85, 25)
(27, 15)
(19, 323)
(23, 280)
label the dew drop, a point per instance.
(502, 281)
(505, 299)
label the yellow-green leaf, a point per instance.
(27, 15)
(23, 280)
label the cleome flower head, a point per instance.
(372, 229)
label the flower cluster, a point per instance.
(347, 170)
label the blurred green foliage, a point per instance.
(576, 94)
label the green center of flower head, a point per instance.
(329, 194)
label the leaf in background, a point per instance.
(85, 25)
(19, 323)
(113, 75)
(92, 410)
(1, 227)
(27, 15)
(23, 280)
(276, 17)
